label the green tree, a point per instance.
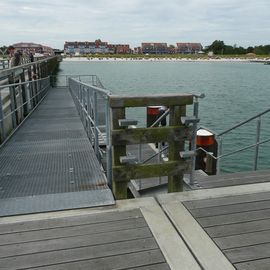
(217, 47)
(3, 50)
(250, 49)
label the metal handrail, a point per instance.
(86, 98)
(243, 123)
(22, 83)
(233, 152)
(32, 99)
(24, 66)
(94, 79)
(29, 99)
(220, 135)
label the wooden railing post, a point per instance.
(175, 183)
(119, 186)
(175, 134)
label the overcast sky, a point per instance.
(241, 22)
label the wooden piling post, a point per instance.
(174, 134)
(119, 186)
(175, 183)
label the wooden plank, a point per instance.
(203, 194)
(160, 266)
(148, 135)
(262, 264)
(82, 253)
(234, 218)
(150, 100)
(249, 253)
(241, 240)
(74, 242)
(236, 175)
(234, 182)
(229, 209)
(86, 229)
(175, 182)
(227, 200)
(70, 221)
(119, 188)
(238, 228)
(137, 171)
(123, 261)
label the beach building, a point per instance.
(154, 48)
(84, 47)
(188, 48)
(119, 48)
(137, 50)
(33, 48)
(98, 46)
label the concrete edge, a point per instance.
(171, 244)
(204, 249)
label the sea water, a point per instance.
(234, 92)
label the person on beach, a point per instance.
(31, 57)
(15, 56)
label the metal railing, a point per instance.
(17, 101)
(104, 118)
(256, 145)
(21, 90)
(4, 63)
(91, 101)
(63, 80)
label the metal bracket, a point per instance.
(196, 95)
(187, 154)
(128, 159)
(127, 122)
(186, 120)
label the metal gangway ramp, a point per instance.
(49, 163)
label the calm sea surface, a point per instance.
(234, 92)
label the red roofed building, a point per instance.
(188, 48)
(154, 48)
(28, 47)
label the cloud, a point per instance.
(134, 21)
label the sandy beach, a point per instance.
(111, 59)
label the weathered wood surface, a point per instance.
(112, 240)
(234, 179)
(147, 150)
(119, 188)
(151, 135)
(175, 182)
(125, 173)
(151, 100)
(239, 225)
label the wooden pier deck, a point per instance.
(222, 228)
(233, 179)
(133, 234)
(226, 228)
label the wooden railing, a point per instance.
(175, 134)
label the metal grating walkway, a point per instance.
(49, 163)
